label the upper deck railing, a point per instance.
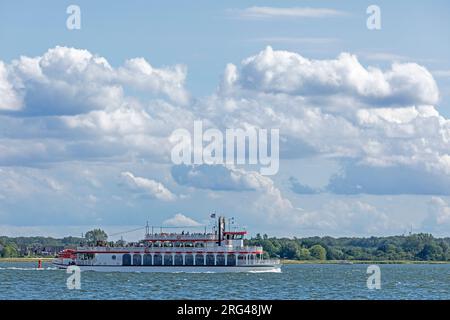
(170, 250)
(181, 237)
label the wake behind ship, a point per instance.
(217, 251)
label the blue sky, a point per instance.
(353, 162)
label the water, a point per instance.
(24, 281)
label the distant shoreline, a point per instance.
(26, 259)
(287, 261)
(283, 261)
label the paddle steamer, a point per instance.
(221, 250)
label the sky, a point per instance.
(86, 115)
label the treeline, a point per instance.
(23, 246)
(414, 247)
(39, 246)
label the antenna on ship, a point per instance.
(147, 229)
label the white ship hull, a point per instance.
(177, 269)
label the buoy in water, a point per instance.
(39, 264)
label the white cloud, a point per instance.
(9, 98)
(340, 109)
(365, 118)
(337, 108)
(140, 74)
(180, 220)
(71, 81)
(294, 12)
(81, 110)
(275, 72)
(152, 188)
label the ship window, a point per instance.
(147, 259)
(178, 260)
(113, 257)
(137, 260)
(199, 260)
(168, 260)
(209, 259)
(157, 260)
(231, 260)
(220, 260)
(189, 260)
(126, 260)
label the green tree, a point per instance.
(303, 254)
(318, 252)
(335, 254)
(9, 251)
(431, 252)
(289, 250)
(96, 235)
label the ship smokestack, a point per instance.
(221, 227)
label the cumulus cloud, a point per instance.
(69, 104)
(287, 72)
(336, 108)
(138, 73)
(360, 116)
(180, 220)
(382, 126)
(150, 187)
(66, 81)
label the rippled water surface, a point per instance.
(24, 281)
